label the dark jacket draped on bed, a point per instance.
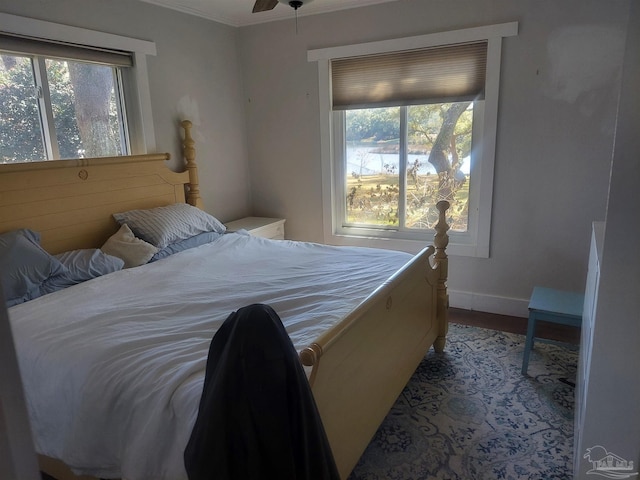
(257, 417)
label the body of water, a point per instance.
(362, 161)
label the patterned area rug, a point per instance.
(470, 414)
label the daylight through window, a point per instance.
(404, 123)
(393, 180)
(411, 145)
(60, 101)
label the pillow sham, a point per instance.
(124, 244)
(24, 265)
(82, 265)
(162, 226)
(191, 242)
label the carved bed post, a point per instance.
(193, 195)
(441, 241)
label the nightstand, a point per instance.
(259, 226)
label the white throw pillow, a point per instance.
(124, 244)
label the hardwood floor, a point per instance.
(505, 323)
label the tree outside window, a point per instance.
(54, 108)
(406, 122)
(393, 180)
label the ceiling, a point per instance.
(237, 13)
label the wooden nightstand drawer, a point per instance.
(259, 226)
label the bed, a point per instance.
(359, 337)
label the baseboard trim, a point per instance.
(515, 307)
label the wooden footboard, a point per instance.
(361, 366)
(358, 369)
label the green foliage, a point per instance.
(62, 102)
(441, 131)
(20, 137)
(85, 115)
(373, 124)
(425, 123)
(374, 200)
(93, 88)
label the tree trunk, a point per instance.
(9, 61)
(438, 157)
(92, 86)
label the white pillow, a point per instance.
(124, 244)
(162, 226)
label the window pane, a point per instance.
(438, 163)
(372, 166)
(84, 103)
(436, 159)
(20, 127)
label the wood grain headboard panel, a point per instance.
(70, 202)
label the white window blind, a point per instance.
(451, 73)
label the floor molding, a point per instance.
(515, 307)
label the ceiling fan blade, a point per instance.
(264, 5)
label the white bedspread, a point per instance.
(113, 368)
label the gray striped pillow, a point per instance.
(164, 226)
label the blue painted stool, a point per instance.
(555, 306)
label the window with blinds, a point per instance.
(23, 44)
(406, 122)
(60, 100)
(452, 73)
(406, 128)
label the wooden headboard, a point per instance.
(70, 202)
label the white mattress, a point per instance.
(113, 368)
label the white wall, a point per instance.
(612, 406)
(195, 72)
(254, 98)
(559, 85)
(257, 116)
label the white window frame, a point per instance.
(135, 80)
(474, 242)
(396, 232)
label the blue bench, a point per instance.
(555, 306)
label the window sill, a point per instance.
(409, 246)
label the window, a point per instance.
(60, 108)
(406, 123)
(394, 174)
(71, 94)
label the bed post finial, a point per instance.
(441, 241)
(189, 152)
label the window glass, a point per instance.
(54, 109)
(439, 138)
(85, 111)
(20, 126)
(394, 180)
(68, 92)
(372, 166)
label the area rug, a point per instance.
(469, 413)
